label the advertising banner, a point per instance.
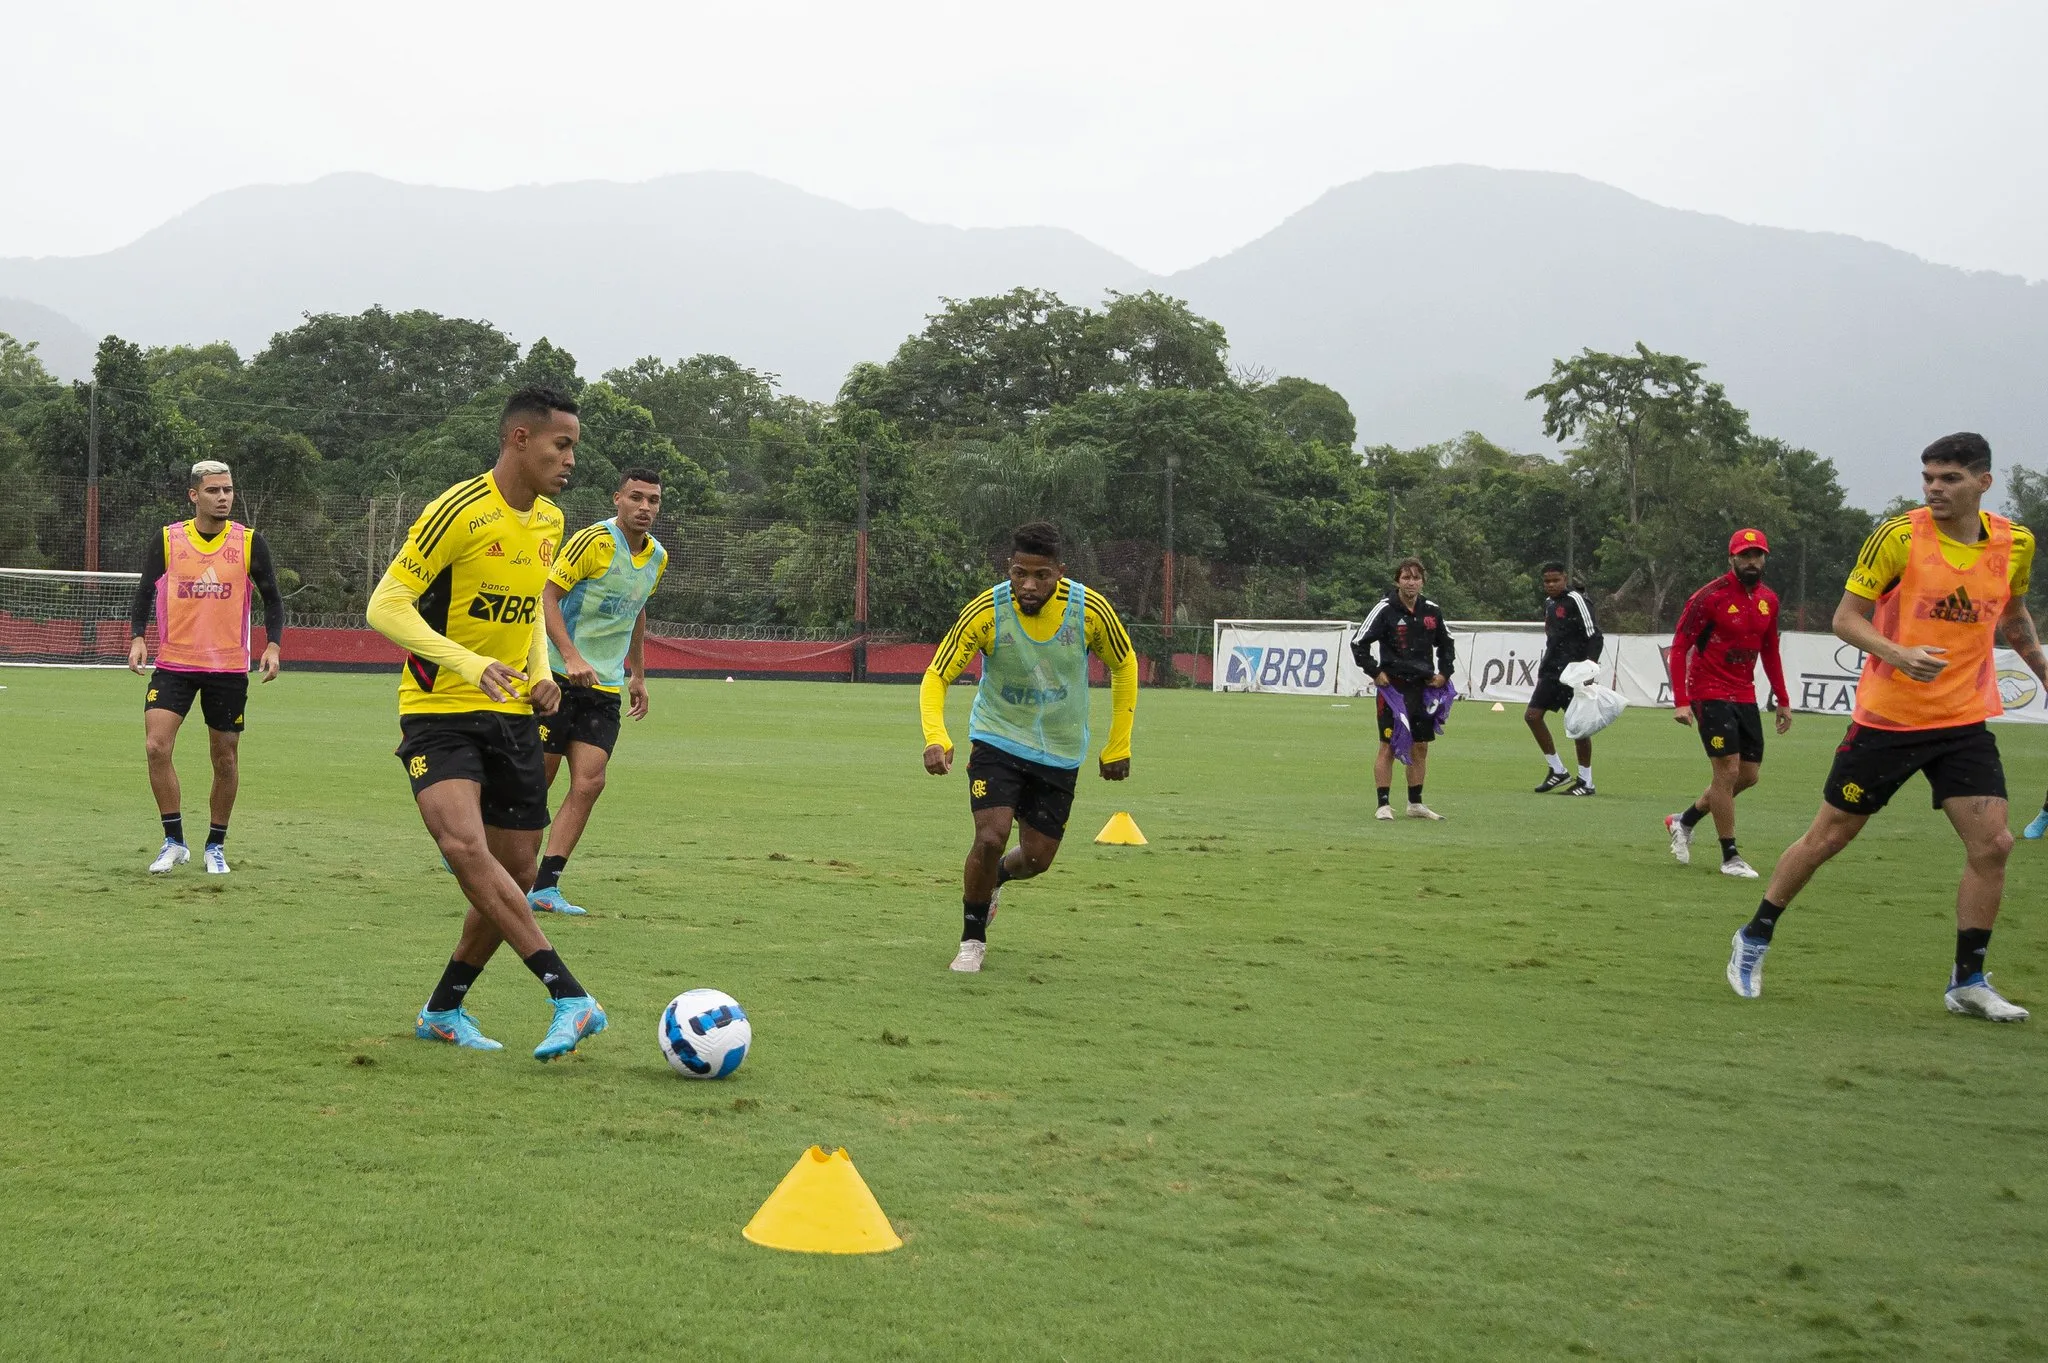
(1298, 658)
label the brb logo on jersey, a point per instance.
(206, 587)
(503, 609)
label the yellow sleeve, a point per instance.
(972, 633)
(587, 554)
(1883, 558)
(1111, 642)
(2022, 574)
(394, 607)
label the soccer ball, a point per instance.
(704, 1034)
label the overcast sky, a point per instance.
(1168, 132)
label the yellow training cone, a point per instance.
(822, 1206)
(1498, 707)
(1121, 831)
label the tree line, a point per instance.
(1124, 423)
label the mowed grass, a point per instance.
(1285, 1084)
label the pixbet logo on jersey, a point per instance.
(1249, 665)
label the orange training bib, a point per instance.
(202, 602)
(1940, 605)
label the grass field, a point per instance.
(1285, 1084)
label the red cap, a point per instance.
(1744, 540)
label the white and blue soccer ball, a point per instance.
(704, 1034)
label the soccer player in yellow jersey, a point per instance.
(596, 608)
(463, 600)
(1029, 727)
(1931, 593)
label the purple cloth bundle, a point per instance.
(1436, 704)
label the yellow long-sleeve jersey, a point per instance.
(974, 633)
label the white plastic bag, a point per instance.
(1593, 706)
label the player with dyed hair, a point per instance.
(463, 600)
(596, 607)
(1930, 594)
(197, 576)
(1725, 628)
(1029, 727)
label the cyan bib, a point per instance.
(1033, 701)
(600, 611)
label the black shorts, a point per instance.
(1550, 694)
(587, 715)
(222, 696)
(1730, 728)
(1871, 765)
(498, 751)
(1421, 725)
(1042, 796)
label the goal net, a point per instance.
(62, 619)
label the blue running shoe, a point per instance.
(1746, 966)
(549, 901)
(456, 1027)
(574, 1019)
(2037, 828)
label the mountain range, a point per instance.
(1432, 299)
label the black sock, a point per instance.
(1692, 815)
(551, 869)
(216, 834)
(547, 967)
(1385, 791)
(1415, 795)
(1971, 944)
(174, 827)
(1760, 928)
(1004, 875)
(973, 921)
(455, 983)
(1727, 849)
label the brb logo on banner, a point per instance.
(1265, 668)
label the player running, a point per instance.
(595, 603)
(1029, 726)
(463, 599)
(1726, 626)
(1929, 595)
(1405, 646)
(1569, 636)
(197, 574)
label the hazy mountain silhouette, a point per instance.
(1432, 299)
(64, 347)
(730, 263)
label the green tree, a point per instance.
(1305, 410)
(1148, 340)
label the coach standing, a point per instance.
(1405, 647)
(1570, 635)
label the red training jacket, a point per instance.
(1721, 634)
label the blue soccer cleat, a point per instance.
(2037, 828)
(550, 901)
(456, 1027)
(1746, 966)
(574, 1019)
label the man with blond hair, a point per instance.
(197, 575)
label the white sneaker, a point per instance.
(1737, 867)
(216, 859)
(1976, 998)
(1418, 810)
(1746, 966)
(173, 854)
(1681, 839)
(968, 962)
(1385, 812)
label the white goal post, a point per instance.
(53, 618)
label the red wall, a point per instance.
(363, 650)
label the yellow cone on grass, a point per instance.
(823, 1206)
(1121, 831)
(1498, 707)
